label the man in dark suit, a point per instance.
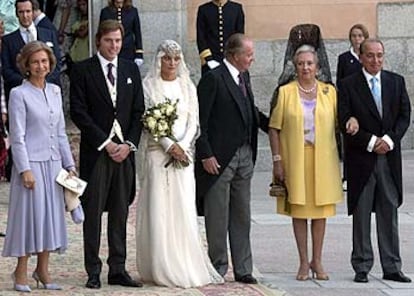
(41, 20)
(13, 42)
(106, 104)
(226, 152)
(217, 20)
(374, 113)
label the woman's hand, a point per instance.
(28, 179)
(278, 173)
(352, 126)
(72, 173)
(177, 152)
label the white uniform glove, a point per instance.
(213, 64)
(139, 62)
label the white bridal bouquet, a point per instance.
(159, 120)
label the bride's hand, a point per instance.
(177, 152)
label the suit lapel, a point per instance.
(120, 82)
(366, 95)
(386, 95)
(234, 90)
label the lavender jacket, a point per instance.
(37, 126)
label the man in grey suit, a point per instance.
(374, 114)
(226, 151)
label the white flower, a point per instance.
(169, 110)
(151, 122)
(162, 125)
(156, 113)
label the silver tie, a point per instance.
(30, 36)
(376, 94)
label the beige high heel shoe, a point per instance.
(319, 275)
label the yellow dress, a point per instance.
(312, 174)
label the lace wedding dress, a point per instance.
(169, 249)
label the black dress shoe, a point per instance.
(397, 277)
(123, 279)
(361, 277)
(247, 279)
(2, 234)
(93, 282)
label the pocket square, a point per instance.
(48, 43)
(129, 80)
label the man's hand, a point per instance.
(117, 152)
(28, 179)
(139, 62)
(352, 126)
(211, 165)
(381, 147)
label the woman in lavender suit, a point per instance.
(36, 217)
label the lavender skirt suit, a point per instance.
(36, 218)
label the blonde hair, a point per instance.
(28, 50)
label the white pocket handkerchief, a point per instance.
(48, 43)
(129, 80)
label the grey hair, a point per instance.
(305, 48)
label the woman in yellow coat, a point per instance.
(305, 157)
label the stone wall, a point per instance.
(167, 19)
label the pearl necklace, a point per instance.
(307, 91)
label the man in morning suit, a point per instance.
(13, 42)
(374, 114)
(106, 104)
(217, 20)
(226, 152)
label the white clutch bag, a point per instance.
(74, 187)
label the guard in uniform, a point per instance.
(127, 15)
(217, 20)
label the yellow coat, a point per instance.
(287, 117)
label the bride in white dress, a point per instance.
(169, 249)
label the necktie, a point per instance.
(242, 85)
(30, 36)
(111, 77)
(376, 94)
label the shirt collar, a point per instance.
(39, 18)
(352, 51)
(31, 28)
(233, 71)
(104, 62)
(368, 76)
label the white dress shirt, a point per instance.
(385, 137)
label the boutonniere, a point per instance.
(129, 80)
(325, 90)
